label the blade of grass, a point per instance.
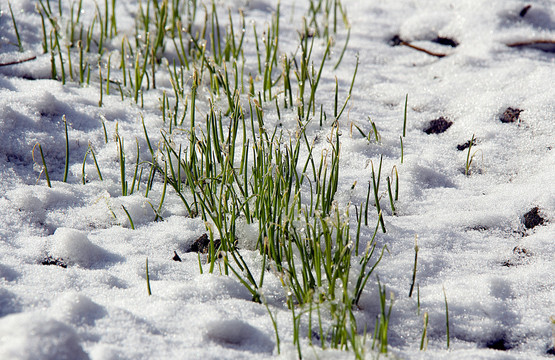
(66, 168)
(15, 28)
(132, 226)
(147, 279)
(43, 163)
(446, 319)
(414, 268)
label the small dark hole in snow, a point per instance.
(49, 260)
(521, 252)
(395, 41)
(524, 10)
(499, 344)
(202, 244)
(438, 126)
(548, 47)
(176, 257)
(521, 255)
(510, 115)
(532, 218)
(308, 34)
(466, 145)
(445, 41)
(551, 351)
(317, 336)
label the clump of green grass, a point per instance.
(382, 321)
(234, 166)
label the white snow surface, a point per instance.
(497, 275)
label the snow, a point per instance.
(474, 249)
(31, 336)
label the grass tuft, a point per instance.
(229, 162)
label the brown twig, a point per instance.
(18, 61)
(530, 42)
(398, 41)
(439, 55)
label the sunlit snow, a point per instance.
(478, 248)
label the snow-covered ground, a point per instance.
(479, 246)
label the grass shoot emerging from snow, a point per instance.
(238, 167)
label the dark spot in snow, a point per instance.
(547, 46)
(499, 344)
(17, 159)
(176, 257)
(49, 260)
(510, 115)
(438, 126)
(521, 252)
(202, 244)
(445, 41)
(519, 258)
(507, 263)
(551, 351)
(466, 145)
(395, 41)
(532, 218)
(524, 10)
(307, 35)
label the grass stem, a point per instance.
(66, 167)
(147, 279)
(15, 28)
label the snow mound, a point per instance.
(235, 333)
(79, 309)
(8, 303)
(31, 336)
(75, 248)
(8, 274)
(26, 201)
(207, 287)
